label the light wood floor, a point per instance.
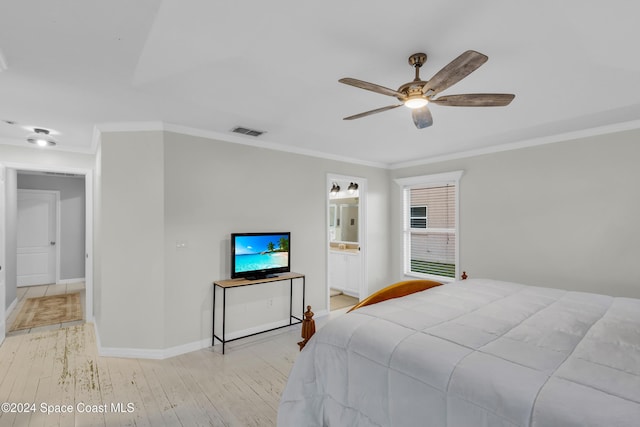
(201, 388)
(342, 301)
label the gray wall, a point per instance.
(129, 288)
(561, 215)
(176, 187)
(72, 218)
(214, 188)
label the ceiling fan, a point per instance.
(418, 93)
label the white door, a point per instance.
(37, 237)
(3, 285)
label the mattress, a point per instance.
(473, 353)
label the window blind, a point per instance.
(430, 230)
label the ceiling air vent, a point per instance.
(246, 131)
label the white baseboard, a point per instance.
(131, 353)
(135, 353)
(11, 308)
(186, 348)
(59, 282)
(254, 330)
(141, 353)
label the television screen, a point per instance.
(259, 255)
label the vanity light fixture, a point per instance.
(41, 138)
(353, 187)
(335, 188)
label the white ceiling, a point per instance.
(274, 66)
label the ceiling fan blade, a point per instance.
(377, 110)
(422, 117)
(476, 100)
(371, 86)
(455, 71)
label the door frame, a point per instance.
(57, 225)
(363, 291)
(3, 289)
(88, 190)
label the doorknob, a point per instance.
(52, 243)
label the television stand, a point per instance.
(261, 277)
(234, 283)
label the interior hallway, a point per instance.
(25, 292)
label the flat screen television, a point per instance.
(260, 255)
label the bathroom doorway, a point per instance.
(346, 247)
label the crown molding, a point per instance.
(262, 143)
(221, 136)
(561, 137)
(130, 126)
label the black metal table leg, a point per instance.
(213, 324)
(290, 301)
(224, 315)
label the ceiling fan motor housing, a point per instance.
(417, 59)
(414, 88)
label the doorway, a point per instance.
(3, 325)
(78, 274)
(346, 247)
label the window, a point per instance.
(430, 225)
(418, 216)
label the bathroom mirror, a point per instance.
(343, 218)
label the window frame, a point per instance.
(427, 181)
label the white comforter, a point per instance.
(473, 353)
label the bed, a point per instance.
(472, 353)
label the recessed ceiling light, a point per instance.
(41, 138)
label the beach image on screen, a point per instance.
(261, 252)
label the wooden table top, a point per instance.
(231, 283)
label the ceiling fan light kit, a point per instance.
(416, 102)
(418, 93)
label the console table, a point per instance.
(234, 283)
